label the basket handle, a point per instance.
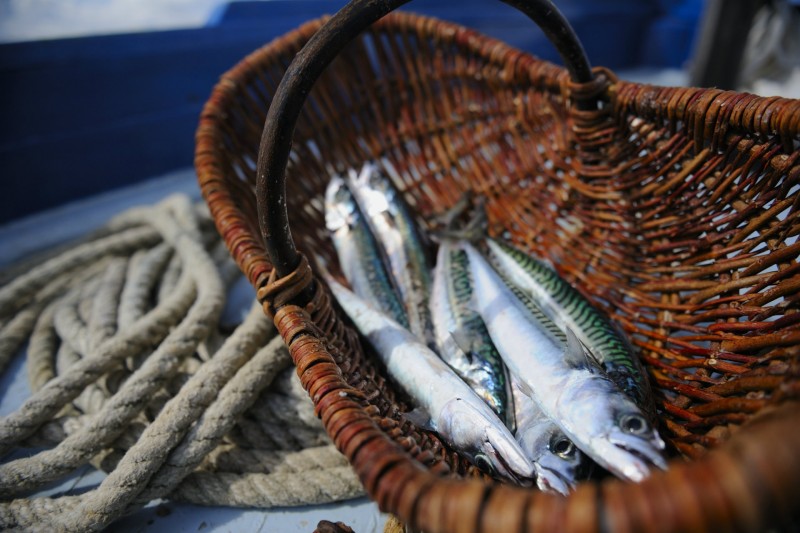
(308, 65)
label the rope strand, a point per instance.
(131, 373)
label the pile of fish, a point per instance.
(502, 358)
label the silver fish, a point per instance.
(567, 386)
(546, 444)
(461, 337)
(455, 412)
(542, 438)
(395, 229)
(358, 251)
(465, 344)
(570, 310)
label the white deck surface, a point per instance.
(22, 238)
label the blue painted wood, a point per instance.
(84, 115)
(611, 30)
(59, 169)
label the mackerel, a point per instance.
(358, 252)
(464, 344)
(546, 444)
(395, 229)
(461, 336)
(444, 402)
(537, 433)
(568, 387)
(570, 310)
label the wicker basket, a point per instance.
(674, 209)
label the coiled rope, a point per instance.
(133, 373)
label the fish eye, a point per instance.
(634, 424)
(562, 446)
(483, 462)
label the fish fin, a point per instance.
(525, 388)
(453, 234)
(448, 218)
(420, 418)
(464, 341)
(474, 230)
(594, 362)
(576, 356)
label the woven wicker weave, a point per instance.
(673, 209)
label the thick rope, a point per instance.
(167, 430)
(236, 396)
(144, 271)
(65, 387)
(131, 373)
(14, 332)
(28, 473)
(19, 292)
(280, 489)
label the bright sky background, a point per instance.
(23, 20)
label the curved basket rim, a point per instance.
(246, 246)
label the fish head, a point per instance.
(479, 434)
(615, 431)
(628, 444)
(340, 205)
(559, 463)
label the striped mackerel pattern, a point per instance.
(483, 352)
(377, 275)
(568, 308)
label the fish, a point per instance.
(358, 252)
(546, 444)
(444, 403)
(569, 387)
(461, 337)
(568, 309)
(477, 362)
(404, 244)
